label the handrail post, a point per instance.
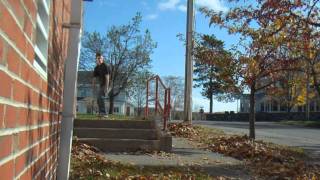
(146, 111)
(165, 116)
(157, 94)
(169, 102)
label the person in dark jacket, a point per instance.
(101, 74)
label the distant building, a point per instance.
(86, 100)
(267, 103)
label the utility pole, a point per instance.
(189, 65)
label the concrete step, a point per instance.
(116, 133)
(130, 124)
(122, 145)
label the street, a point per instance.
(306, 138)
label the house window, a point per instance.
(262, 107)
(116, 110)
(82, 93)
(283, 107)
(42, 36)
(311, 106)
(268, 106)
(274, 105)
(301, 108)
(241, 107)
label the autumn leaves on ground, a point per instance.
(263, 160)
(87, 163)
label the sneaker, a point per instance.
(103, 115)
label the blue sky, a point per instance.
(165, 19)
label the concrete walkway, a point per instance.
(186, 153)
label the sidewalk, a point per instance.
(186, 153)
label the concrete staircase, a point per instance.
(122, 135)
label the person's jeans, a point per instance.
(100, 101)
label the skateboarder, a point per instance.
(101, 74)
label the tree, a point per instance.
(127, 50)
(137, 91)
(290, 90)
(212, 66)
(261, 62)
(176, 85)
(91, 44)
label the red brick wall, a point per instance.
(30, 103)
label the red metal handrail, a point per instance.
(165, 111)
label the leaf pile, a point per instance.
(182, 130)
(87, 163)
(267, 159)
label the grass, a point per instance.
(314, 124)
(110, 117)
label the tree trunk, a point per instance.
(139, 107)
(111, 103)
(252, 117)
(289, 108)
(211, 103)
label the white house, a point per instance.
(87, 101)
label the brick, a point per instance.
(20, 163)
(10, 27)
(15, 143)
(6, 85)
(23, 117)
(30, 53)
(27, 138)
(46, 117)
(24, 139)
(29, 96)
(7, 170)
(10, 117)
(24, 71)
(1, 49)
(31, 8)
(32, 118)
(21, 41)
(36, 167)
(1, 116)
(44, 145)
(44, 85)
(35, 98)
(6, 146)
(13, 60)
(18, 10)
(28, 27)
(19, 92)
(35, 80)
(26, 175)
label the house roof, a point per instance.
(85, 77)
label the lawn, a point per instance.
(110, 117)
